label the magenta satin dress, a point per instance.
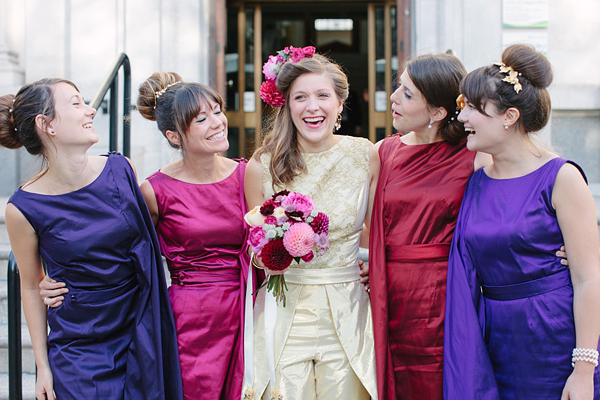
(202, 235)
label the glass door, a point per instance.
(383, 67)
(243, 66)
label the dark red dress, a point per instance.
(417, 200)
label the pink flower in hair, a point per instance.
(270, 95)
(271, 68)
(297, 54)
(309, 51)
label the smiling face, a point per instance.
(73, 121)
(314, 107)
(208, 131)
(486, 132)
(409, 108)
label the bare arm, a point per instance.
(253, 185)
(150, 197)
(576, 214)
(24, 244)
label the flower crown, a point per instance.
(268, 90)
(511, 77)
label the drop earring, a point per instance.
(430, 123)
(505, 125)
(338, 123)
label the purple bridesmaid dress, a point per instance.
(113, 337)
(203, 235)
(509, 329)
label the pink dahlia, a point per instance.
(298, 202)
(320, 223)
(270, 95)
(274, 256)
(299, 239)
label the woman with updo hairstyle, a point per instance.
(519, 324)
(424, 171)
(197, 204)
(322, 343)
(113, 336)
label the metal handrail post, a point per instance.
(126, 108)
(15, 364)
(112, 108)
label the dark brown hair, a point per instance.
(486, 84)
(18, 113)
(281, 140)
(438, 77)
(177, 103)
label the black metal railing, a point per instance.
(111, 82)
(15, 366)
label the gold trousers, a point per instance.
(313, 364)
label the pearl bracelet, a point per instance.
(587, 355)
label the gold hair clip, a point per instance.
(511, 77)
(460, 102)
(162, 91)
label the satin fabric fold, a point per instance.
(114, 335)
(516, 342)
(203, 237)
(338, 182)
(414, 213)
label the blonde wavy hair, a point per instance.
(281, 140)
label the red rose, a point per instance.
(309, 51)
(274, 256)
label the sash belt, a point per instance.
(95, 295)
(417, 252)
(324, 276)
(528, 289)
(206, 275)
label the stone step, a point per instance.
(28, 360)
(28, 385)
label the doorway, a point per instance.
(360, 36)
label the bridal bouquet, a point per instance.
(286, 228)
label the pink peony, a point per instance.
(299, 239)
(298, 202)
(271, 68)
(257, 238)
(270, 95)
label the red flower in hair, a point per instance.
(270, 95)
(274, 256)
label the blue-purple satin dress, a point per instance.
(114, 336)
(509, 328)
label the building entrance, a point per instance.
(360, 36)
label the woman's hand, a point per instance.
(562, 253)
(580, 385)
(44, 389)
(364, 275)
(52, 292)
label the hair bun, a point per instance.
(9, 137)
(158, 81)
(531, 64)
